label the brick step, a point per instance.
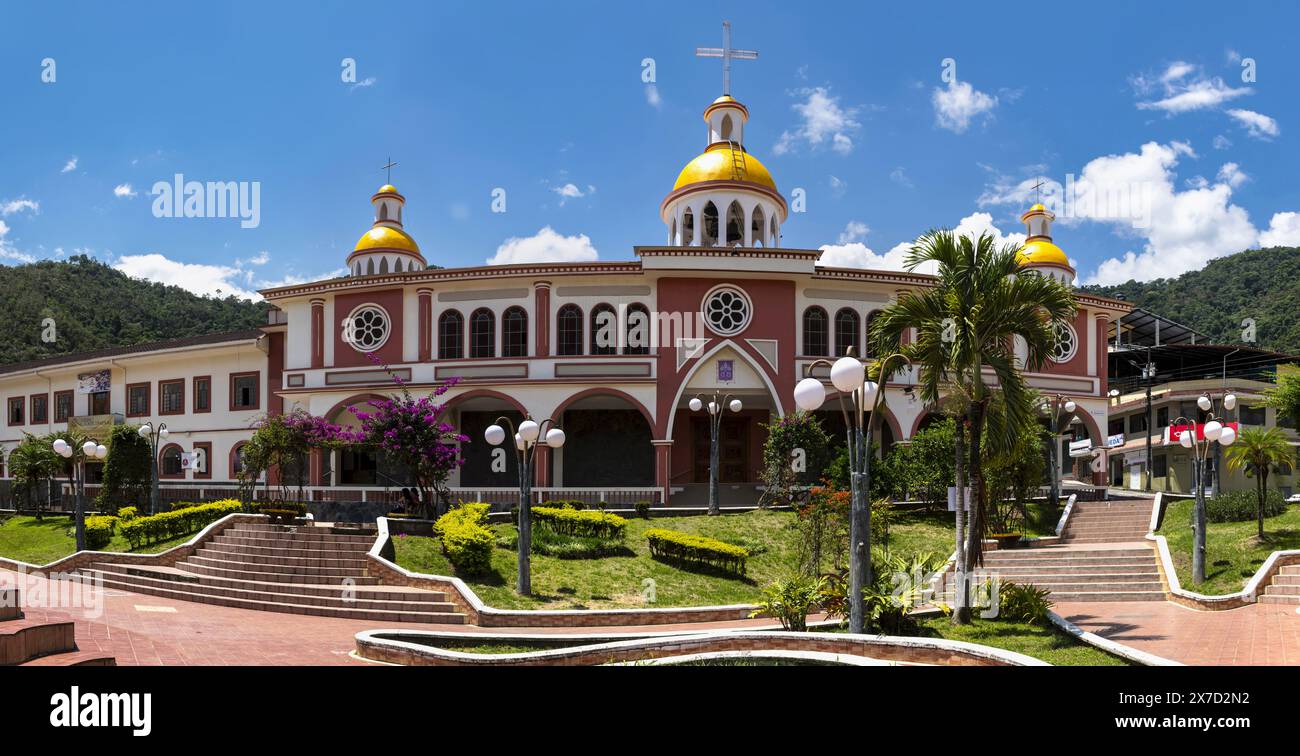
(1289, 569)
(1286, 579)
(1116, 526)
(1072, 586)
(22, 640)
(1063, 563)
(274, 577)
(287, 550)
(328, 590)
(307, 532)
(1059, 553)
(1097, 539)
(1279, 598)
(285, 596)
(1283, 590)
(319, 559)
(1086, 577)
(73, 659)
(376, 615)
(282, 569)
(1145, 568)
(1156, 595)
(1124, 517)
(292, 541)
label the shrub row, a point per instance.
(1240, 506)
(576, 522)
(466, 538)
(178, 522)
(671, 544)
(99, 531)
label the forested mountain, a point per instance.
(1261, 284)
(96, 307)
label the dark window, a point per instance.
(16, 411)
(171, 397)
(814, 332)
(1115, 426)
(1162, 417)
(482, 334)
(1247, 416)
(236, 460)
(514, 333)
(137, 399)
(1160, 466)
(846, 332)
(243, 392)
(203, 394)
(604, 330)
(171, 461)
(451, 336)
(99, 403)
(569, 325)
(638, 330)
(1137, 423)
(62, 406)
(41, 408)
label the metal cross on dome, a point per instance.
(727, 54)
(391, 165)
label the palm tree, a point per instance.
(969, 322)
(1258, 449)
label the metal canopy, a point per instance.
(1142, 328)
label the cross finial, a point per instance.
(389, 168)
(1037, 191)
(727, 54)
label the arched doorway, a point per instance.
(607, 443)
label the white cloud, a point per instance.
(900, 177)
(22, 204)
(572, 191)
(955, 106)
(123, 190)
(653, 97)
(197, 278)
(544, 246)
(261, 258)
(1181, 91)
(369, 81)
(1283, 231)
(852, 251)
(838, 186)
(70, 166)
(855, 231)
(1257, 125)
(1232, 175)
(1221, 142)
(823, 121)
(7, 250)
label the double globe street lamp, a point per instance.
(79, 455)
(528, 437)
(714, 407)
(153, 436)
(1211, 432)
(861, 416)
(1057, 408)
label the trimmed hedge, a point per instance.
(127, 513)
(99, 531)
(685, 547)
(586, 523)
(466, 538)
(1241, 506)
(178, 522)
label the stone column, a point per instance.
(542, 318)
(317, 334)
(663, 466)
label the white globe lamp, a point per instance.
(145, 430)
(1204, 403)
(1213, 429)
(529, 430)
(1071, 407)
(494, 435)
(846, 374)
(1230, 401)
(555, 438)
(101, 451)
(695, 404)
(1185, 439)
(1227, 436)
(809, 394)
(869, 390)
(88, 448)
(60, 445)
(735, 405)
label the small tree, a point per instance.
(925, 467)
(794, 456)
(1259, 450)
(34, 463)
(1285, 396)
(127, 471)
(283, 442)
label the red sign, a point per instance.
(1173, 432)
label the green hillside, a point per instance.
(1262, 284)
(96, 307)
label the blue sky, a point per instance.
(546, 100)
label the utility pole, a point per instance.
(1149, 372)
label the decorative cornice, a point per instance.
(523, 270)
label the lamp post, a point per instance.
(714, 407)
(527, 438)
(1053, 408)
(79, 455)
(848, 375)
(1212, 431)
(153, 436)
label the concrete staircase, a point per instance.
(314, 569)
(1101, 556)
(1284, 588)
(32, 643)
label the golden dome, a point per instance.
(720, 163)
(387, 189)
(386, 237)
(1042, 252)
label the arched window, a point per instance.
(383, 211)
(604, 330)
(451, 336)
(815, 328)
(672, 233)
(383, 265)
(568, 326)
(514, 333)
(757, 228)
(710, 238)
(170, 464)
(726, 127)
(870, 351)
(776, 237)
(237, 459)
(846, 332)
(482, 333)
(370, 266)
(638, 329)
(688, 228)
(735, 225)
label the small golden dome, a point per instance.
(386, 237)
(721, 163)
(387, 189)
(1042, 252)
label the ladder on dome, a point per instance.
(738, 171)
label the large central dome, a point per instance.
(725, 162)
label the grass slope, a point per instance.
(1233, 551)
(1046, 643)
(39, 542)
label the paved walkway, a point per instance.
(1258, 634)
(140, 629)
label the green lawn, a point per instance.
(1041, 642)
(39, 542)
(619, 581)
(1233, 551)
